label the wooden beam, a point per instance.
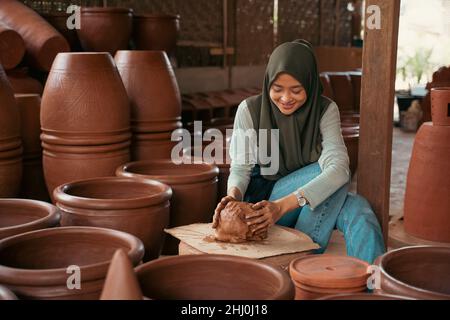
(377, 102)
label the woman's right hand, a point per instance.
(220, 206)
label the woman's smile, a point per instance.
(287, 93)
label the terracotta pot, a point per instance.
(426, 207)
(194, 191)
(152, 89)
(42, 41)
(6, 294)
(156, 32)
(351, 140)
(440, 106)
(234, 278)
(364, 296)
(59, 21)
(34, 264)
(139, 207)
(19, 216)
(419, 272)
(12, 47)
(152, 146)
(105, 29)
(22, 83)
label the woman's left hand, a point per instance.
(266, 214)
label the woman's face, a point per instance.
(287, 93)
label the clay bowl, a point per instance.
(139, 207)
(156, 32)
(35, 264)
(364, 296)
(6, 294)
(421, 272)
(19, 216)
(440, 102)
(234, 278)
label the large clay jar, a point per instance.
(37, 264)
(12, 47)
(139, 207)
(33, 182)
(42, 41)
(10, 142)
(6, 294)
(156, 32)
(234, 278)
(105, 29)
(440, 106)
(21, 82)
(427, 201)
(421, 272)
(194, 189)
(20, 215)
(86, 135)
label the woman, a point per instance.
(309, 192)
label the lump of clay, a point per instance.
(232, 226)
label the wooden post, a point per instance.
(377, 102)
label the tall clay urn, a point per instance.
(427, 200)
(105, 29)
(85, 119)
(12, 47)
(10, 142)
(194, 189)
(42, 41)
(139, 207)
(39, 264)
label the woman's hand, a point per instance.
(220, 206)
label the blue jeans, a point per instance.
(348, 212)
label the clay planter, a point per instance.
(42, 41)
(150, 146)
(152, 89)
(364, 296)
(105, 29)
(419, 272)
(12, 47)
(234, 278)
(351, 140)
(34, 265)
(6, 294)
(156, 32)
(19, 216)
(429, 218)
(139, 207)
(59, 21)
(194, 191)
(88, 135)
(22, 83)
(440, 106)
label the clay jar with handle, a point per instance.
(10, 142)
(35, 265)
(421, 272)
(194, 189)
(213, 277)
(440, 106)
(105, 29)
(33, 182)
(42, 41)
(156, 32)
(12, 47)
(139, 207)
(20, 215)
(85, 119)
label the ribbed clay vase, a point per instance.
(38, 264)
(234, 278)
(42, 41)
(20, 215)
(440, 106)
(105, 29)
(139, 207)
(10, 142)
(156, 32)
(21, 82)
(194, 189)
(12, 47)
(33, 182)
(427, 201)
(88, 135)
(421, 272)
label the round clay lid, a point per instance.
(329, 271)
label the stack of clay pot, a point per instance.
(12, 47)
(139, 207)
(317, 276)
(46, 264)
(421, 272)
(10, 141)
(427, 200)
(194, 191)
(85, 119)
(33, 182)
(155, 102)
(105, 29)
(213, 277)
